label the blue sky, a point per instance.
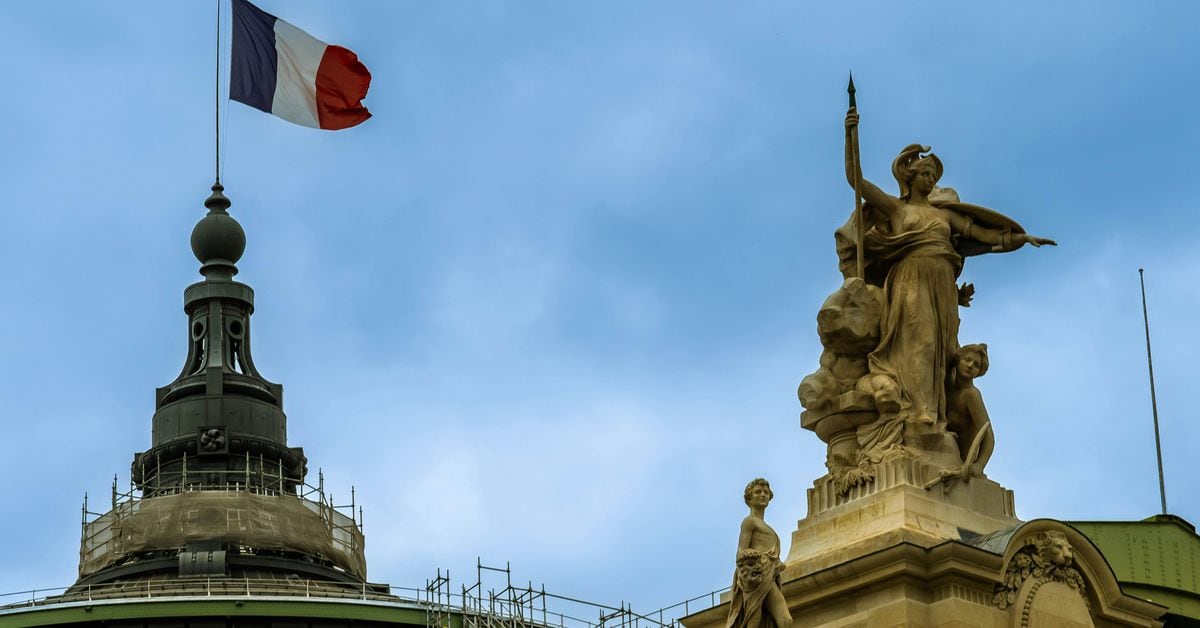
(551, 304)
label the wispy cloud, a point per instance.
(551, 304)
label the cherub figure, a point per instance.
(966, 415)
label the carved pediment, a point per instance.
(1055, 576)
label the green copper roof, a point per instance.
(1157, 559)
(198, 607)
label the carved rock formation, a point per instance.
(848, 324)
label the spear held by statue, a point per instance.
(853, 147)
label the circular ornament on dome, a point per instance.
(218, 236)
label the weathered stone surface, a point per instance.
(848, 325)
(818, 389)
(848, 322)
(951, 584)
(894, 507)
(847, 368)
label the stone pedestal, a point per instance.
(894, 508)
(890, 553)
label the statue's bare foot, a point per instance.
(925, 419)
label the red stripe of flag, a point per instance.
(342, 83)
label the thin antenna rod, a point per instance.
(217, 94)
(1162, 485)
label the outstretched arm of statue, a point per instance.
(871, 193)
(1002, 240)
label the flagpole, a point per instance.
(217, 96)
(1162, 485)
(858, 217)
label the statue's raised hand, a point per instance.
(851, 118)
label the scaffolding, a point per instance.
(252, 513)
(437, 601)
(506, 606)
(259, 489)
(510, 605)
(253, 473)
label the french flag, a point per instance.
(284, 71)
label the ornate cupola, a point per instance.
(219, 493)
(220, 422)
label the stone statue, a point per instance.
(890, 333)
(914, 245)
(756, 600)
(967, 418)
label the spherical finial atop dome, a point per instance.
(218, 241)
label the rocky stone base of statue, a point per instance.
(894, 507)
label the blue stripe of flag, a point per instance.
(253, 60)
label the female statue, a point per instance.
(914, 245)
(756, 599)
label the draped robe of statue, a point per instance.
(919, 328)
(752, 585)
(917, 269)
